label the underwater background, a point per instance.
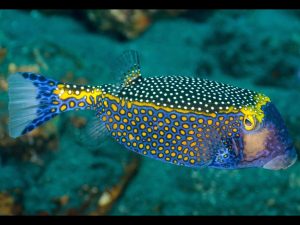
(50, 172)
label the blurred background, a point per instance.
(49, 172)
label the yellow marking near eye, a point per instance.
(63, 107)
(122, 112)
(160, 155)
(160, 115)
(209, 122)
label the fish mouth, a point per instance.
(282, 161)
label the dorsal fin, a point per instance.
(127, 66)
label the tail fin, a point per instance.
(30, 102)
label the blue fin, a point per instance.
(127, 66)
(30, 98)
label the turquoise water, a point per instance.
(258, 50)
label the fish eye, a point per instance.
(250, 122)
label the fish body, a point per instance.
(181, 120)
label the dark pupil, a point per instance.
(247, 122)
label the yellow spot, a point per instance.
(161, 140)
(189, 138)
(192, 153)
(192, 161)
(173, 154)
(119, 133)
(184, 143)
(173, 116)
(167, 121)
(161, 132)
(142, 126)
(185, 158)
(104, 118)
(143, 111)
(169, 136)
(137, 119)
(147, 147)
(154, 119)
(160, 155)
(128, 127)
(160, 124)
(145, 152)
(114, 107)
(200, 120)
(150, 112)
(115, 126)
(207, 135)
(122, 126)
(110, 120)
(53, 110)
(179, 148)
(130, 137)
(179, 156)
(186, 126)
(123, 140)
(153, 152)
(122, 112)
(149, 129)
(173, 129)
(63, 107)
(135, 130)
(133, 122)
(184, 118)
(113, 133)
(125, 120)
(154, 136)
(167, 128)
(167, 144)
(55, 102)
(182, 132)
(209, 122)
(129, 114)
(134, 144)
(178, 137)
(141, 146)
(234, 130)
(105, 103)
(192, 119)
(230, 118)
(221, 118)
(217, 123)
(191, 132)
(229, 134)
(160, 115)
(160, 148)
(226, 122)
(154, 144)
(138, 138)
(167, 151)
(108, 112)
(135, 111)
(168, 158)
(145, 118)
(144, 134)
(117, 118)
(176, 123)
(185, 151)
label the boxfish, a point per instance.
(183, 120)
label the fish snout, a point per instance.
(282, 161)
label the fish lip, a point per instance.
(283, 161)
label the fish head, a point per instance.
(266, 142)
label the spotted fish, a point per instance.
(181, 120)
